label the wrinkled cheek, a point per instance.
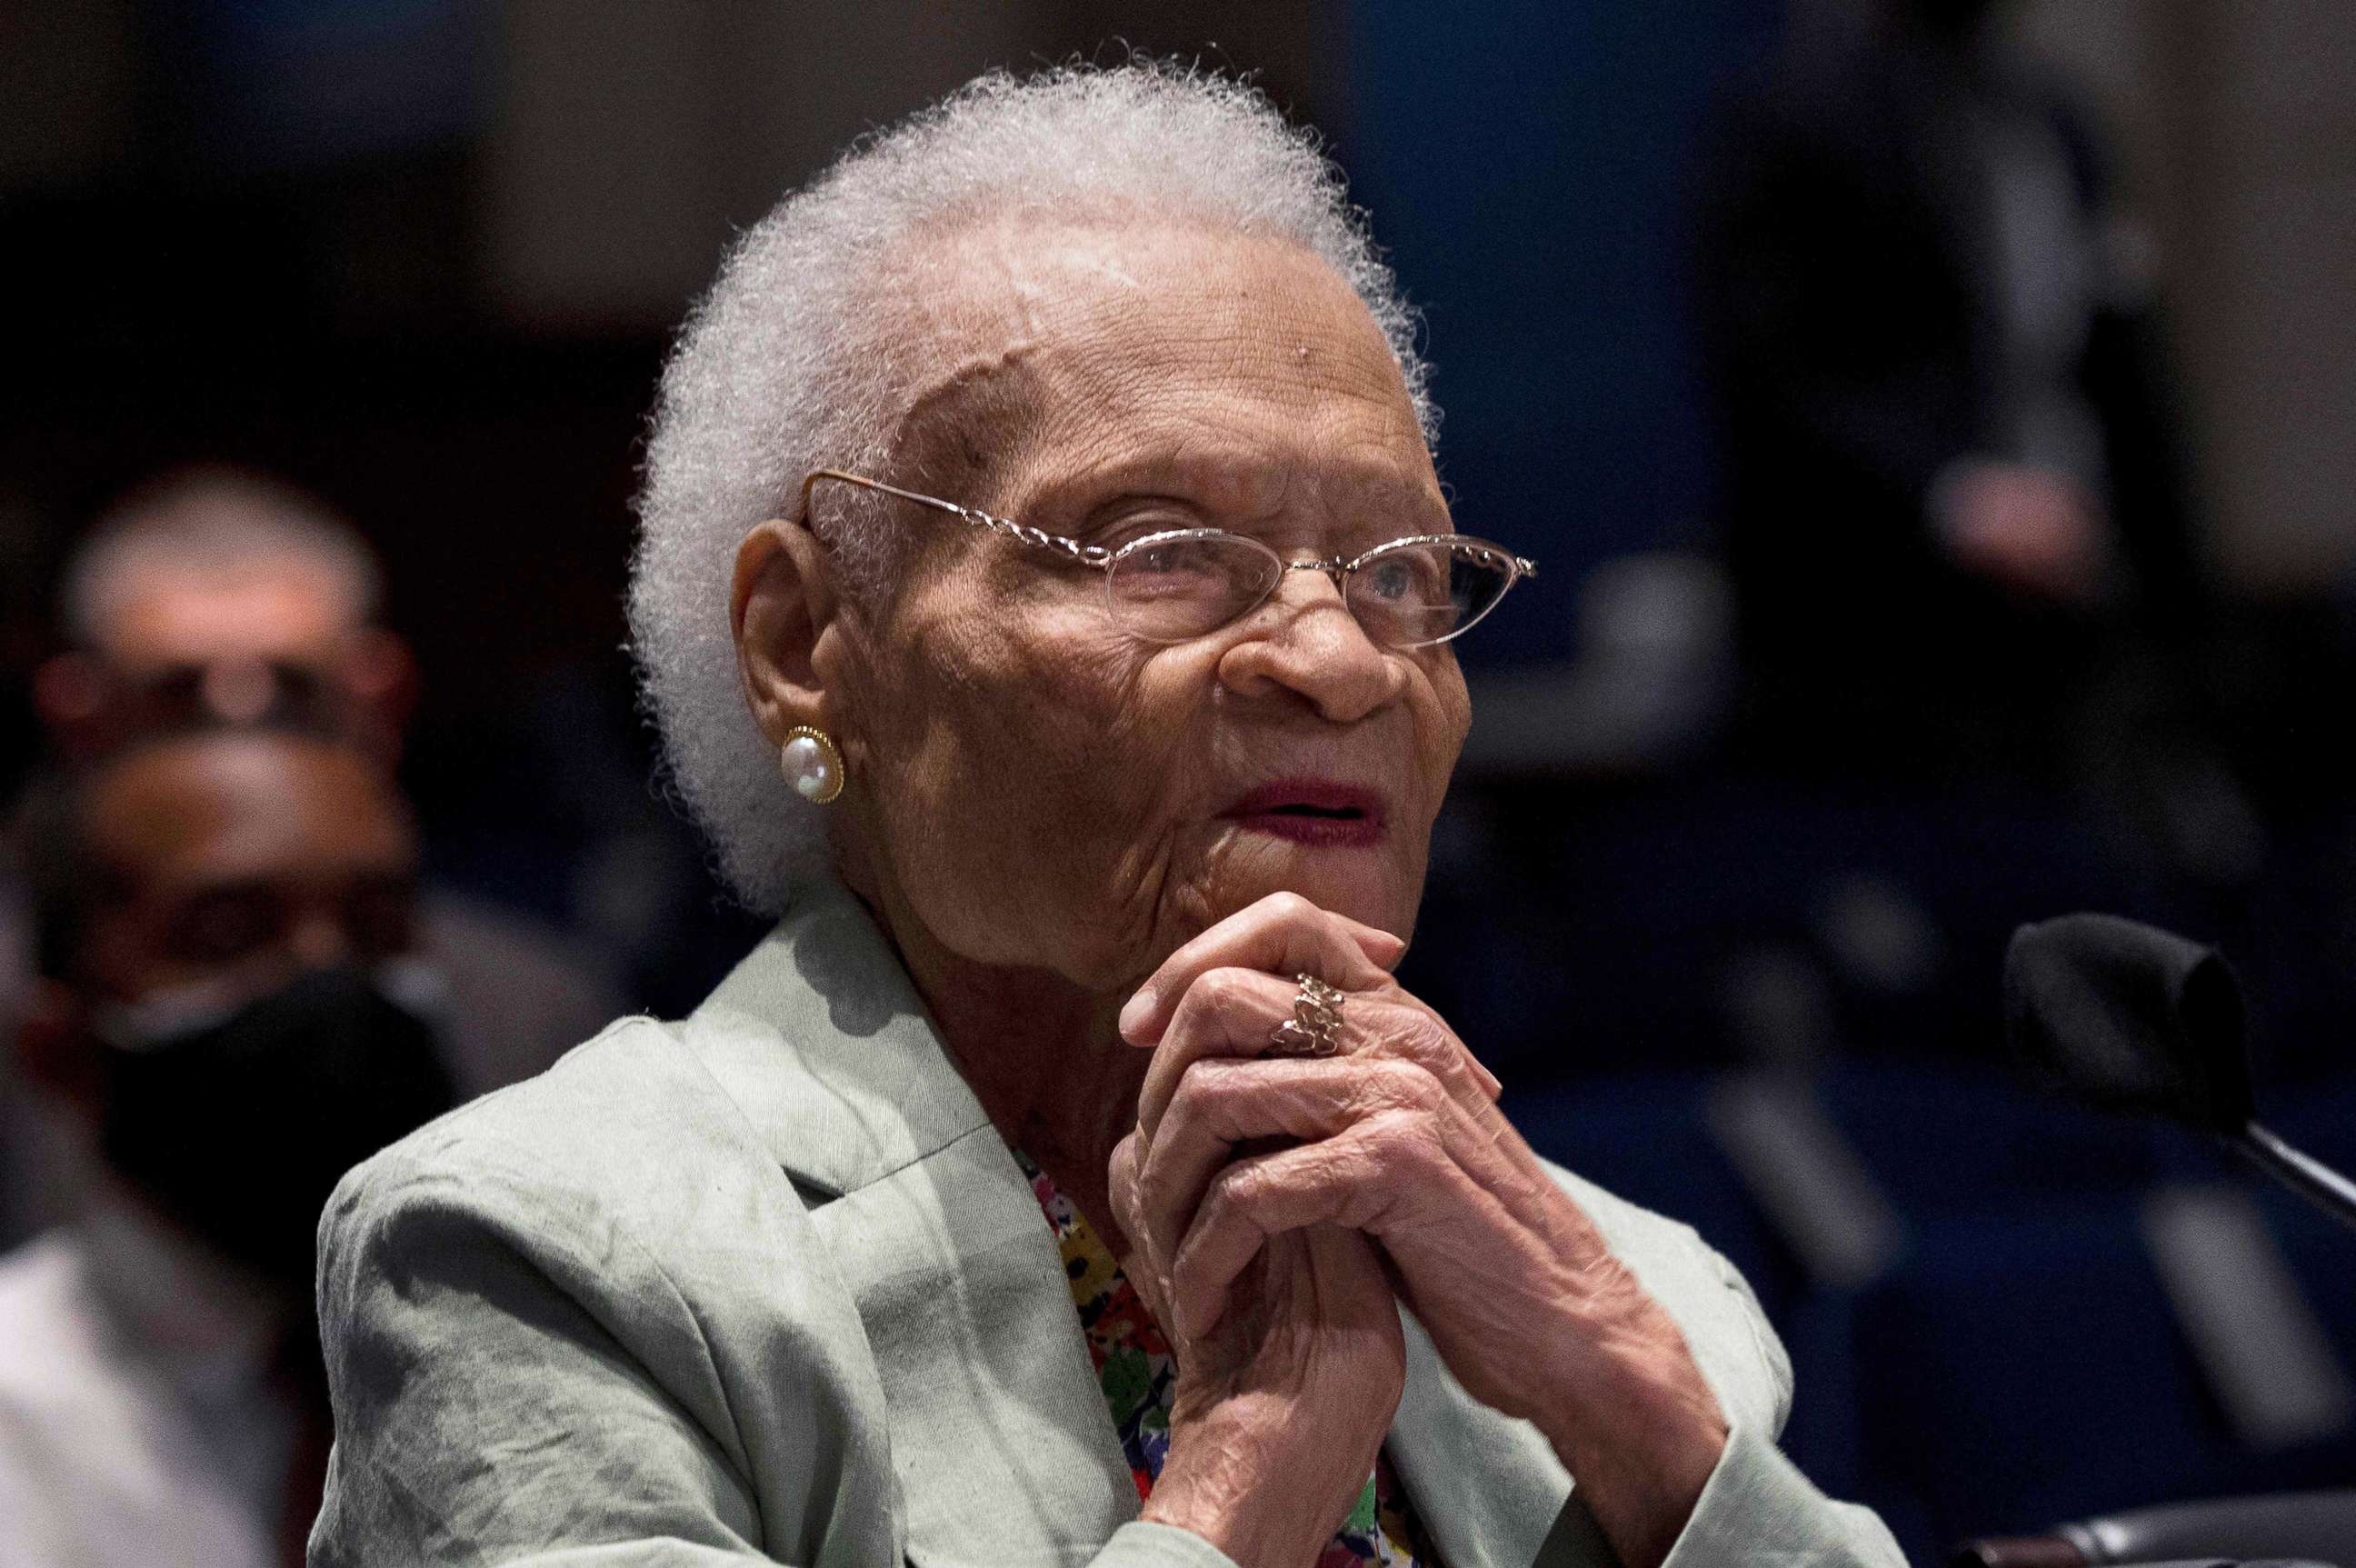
(1172, 894)
(1073, 846)
(1138, 848)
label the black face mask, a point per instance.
(240, 1128)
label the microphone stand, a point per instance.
(2303, 1174)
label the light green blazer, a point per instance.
(767, 1285)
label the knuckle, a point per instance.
(1412, 1034)
(1373, 1086)
(1385, 1139)
(1424, 1089)
(1404, 1140)
(1225, 992)
(1289, 905)
(1236, 1191)
(1420, 1034)
(1393, 1028)
(1395, 1084)
(1124, 1162)
(1198, 1093)
(1425, 1151)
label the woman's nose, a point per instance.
(1306, 641)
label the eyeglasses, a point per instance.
(1185, 583)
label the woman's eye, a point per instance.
(1140, 525)
(1188, 566)
(1393, 579)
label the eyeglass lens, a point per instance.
(1404, 595)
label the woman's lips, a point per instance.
(1313, 812)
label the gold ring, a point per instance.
(1315, 1027)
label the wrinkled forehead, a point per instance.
(1039, 347)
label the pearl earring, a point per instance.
(811, 764)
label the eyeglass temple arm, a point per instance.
(1093, 555)
(867, 484)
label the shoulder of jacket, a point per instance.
(625, 1134)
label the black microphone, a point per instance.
(2129, 1018)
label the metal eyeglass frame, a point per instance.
(1096, 557)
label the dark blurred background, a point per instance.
(1761, 775)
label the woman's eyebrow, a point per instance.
(1229, 492)
(1123, 509)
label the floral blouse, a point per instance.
(1134, 1366)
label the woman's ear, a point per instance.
(782, 602)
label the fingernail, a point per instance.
(1133, 1016)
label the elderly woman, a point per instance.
(1047, 597)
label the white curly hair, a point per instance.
(801, 357)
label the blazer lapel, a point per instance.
(821, 1041)
(1000, 1436)
(1001, 1448)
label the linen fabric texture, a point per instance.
(765, 1285)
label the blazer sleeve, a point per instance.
(511, 1385)
(1757, 1509)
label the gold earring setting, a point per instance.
(811, 764)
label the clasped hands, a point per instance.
(1277, 1208)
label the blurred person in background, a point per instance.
(224, 596)
(1957, 527)
(24, 640)
(221, 597)
(229, 1010)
